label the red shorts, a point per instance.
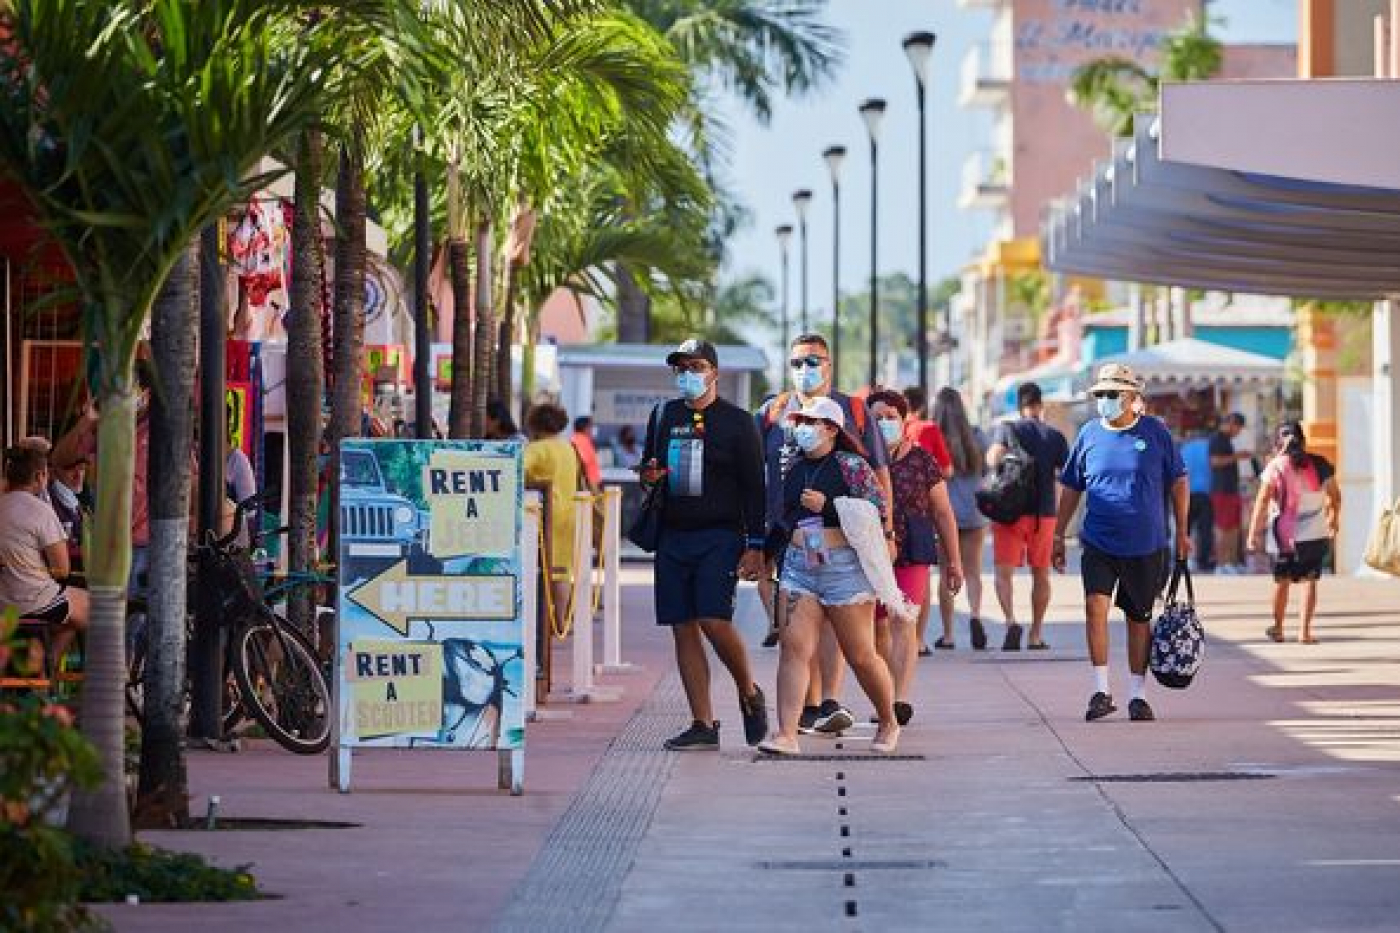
(1028, 540)
(913, 580)
(1228, 509)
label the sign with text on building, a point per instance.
(431, 635)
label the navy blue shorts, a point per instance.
(697, 573)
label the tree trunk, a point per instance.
(484, 350)
(163, 793)
(633, 308)
(349, 324)
(101, 815)
(507, 336)
(305, 377)
(459, 266)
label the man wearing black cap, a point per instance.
(706, 452)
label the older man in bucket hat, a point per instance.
(1124, 465)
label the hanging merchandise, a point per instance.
(258, 254)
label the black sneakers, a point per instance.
(807, 722)
(903, 712)
(755, 711)
(979, 633)
(1100, 705)
(833, 718)
(1139, 711)
(699, 737)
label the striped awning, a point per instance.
(1256, 200)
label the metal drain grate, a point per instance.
(846, 864)
(854, 756)
(1173, 777)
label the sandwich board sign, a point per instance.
(430, 630)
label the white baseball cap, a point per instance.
(822, 407)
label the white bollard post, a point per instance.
(581, 615)
(530, 588)
(612, 585)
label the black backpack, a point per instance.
(1012, 489)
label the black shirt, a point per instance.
(1047, 447)
(1224, 479)
(714, 467)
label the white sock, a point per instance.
(1101, 679)
(1136, 684)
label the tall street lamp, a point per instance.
(800, 200)
(834, 156)
(873, 112)
(784, 234)
(919, 47)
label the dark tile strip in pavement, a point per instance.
(575, 881)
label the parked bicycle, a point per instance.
(270, 670)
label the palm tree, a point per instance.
(755, 49)
(1114, 89)
(130, 126)
(162, 794)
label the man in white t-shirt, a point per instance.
(34, 551)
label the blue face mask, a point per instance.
(808, 436)
(1110, 409)
(807, 379)
(892, 429)
(691, 385)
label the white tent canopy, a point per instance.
(1198, 364)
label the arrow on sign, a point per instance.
(395, 597)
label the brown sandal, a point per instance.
(1275, 634)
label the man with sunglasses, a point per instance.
(809, 363)
(1124, 465)
(706, 451)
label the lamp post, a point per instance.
(873, 112)
(784, 234)
(800, 199)
(834, 156)
(918, 46)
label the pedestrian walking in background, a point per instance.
(927, 434)
(1027, 540)
(967, 450)
(1302, 489)
(1124, 466)
(1226, 505)
(810, 365)
(1195, 453)
(923, 522)
(550, 460)
(587, 452)
(822, 579)
(706, 451)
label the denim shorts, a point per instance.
(839, 582)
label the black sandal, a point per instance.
(944, 644)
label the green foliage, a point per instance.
(42, 758)
(158, 876)
(402, 465)
(1115, 89)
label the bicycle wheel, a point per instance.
(282, 685)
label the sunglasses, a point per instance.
(693, 366)
(1108, 393)
(811, 362)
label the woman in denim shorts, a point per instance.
(821, 574)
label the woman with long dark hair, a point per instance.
(923, 525)
(968, 449)
(1302, 489)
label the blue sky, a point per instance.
(767, 163)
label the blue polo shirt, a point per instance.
(1195, 453)
(1126, 476)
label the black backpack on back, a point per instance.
(1011, 490)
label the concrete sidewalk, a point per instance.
(1266, 797)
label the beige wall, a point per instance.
(1353, 37)
(1056, 143)
(1259, 62)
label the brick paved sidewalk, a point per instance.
(1018, 815)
